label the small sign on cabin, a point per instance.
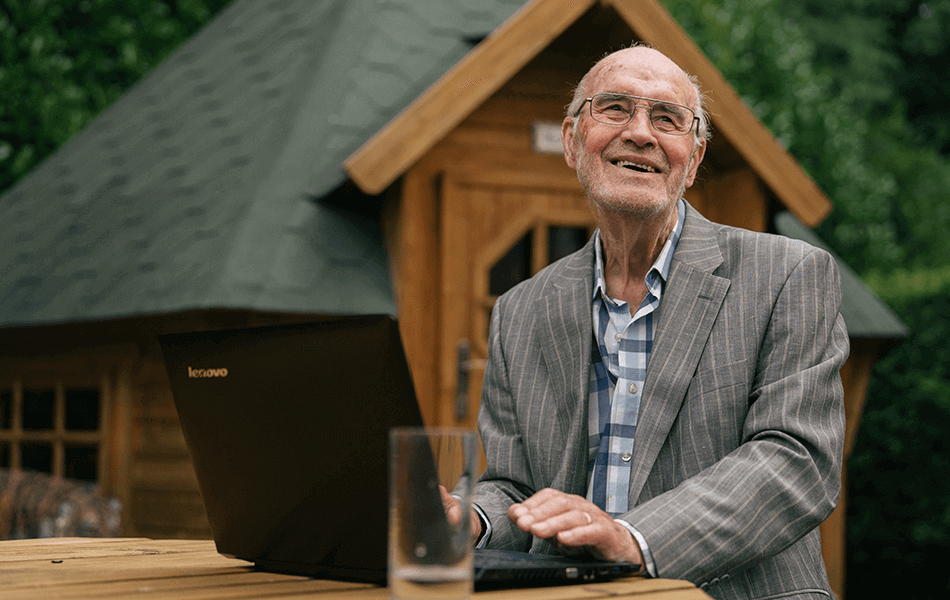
(546, 137)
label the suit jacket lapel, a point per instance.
(691, 301)
(563, 315)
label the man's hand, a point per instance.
(577, 525)
(453, 512)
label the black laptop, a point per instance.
(288, 431)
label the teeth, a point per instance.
(627, 163)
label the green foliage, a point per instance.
(886, 49)
(830, 79)
(63, 61)
(925, 50)
(899, 472)
(902, 285)
(888, 60)
(919, 209)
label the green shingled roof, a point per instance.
(217, 181)
(865, 314)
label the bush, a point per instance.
(899, 472)
(63, 61)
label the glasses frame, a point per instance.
(590, 102)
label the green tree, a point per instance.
(899, 472)
(63, 61)
(895, 54)
(890, 59)
(829, 78)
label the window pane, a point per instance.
(38, 409)
(82, 409)
(81, 462)
(37, 457)
(565, 240)
(6, 409)
(514, 267)
(4, 456)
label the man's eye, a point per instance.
(668, 112)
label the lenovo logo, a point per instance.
(202, 373)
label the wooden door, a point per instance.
(493, 235)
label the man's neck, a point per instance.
(630, 247)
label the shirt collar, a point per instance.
(660, 268)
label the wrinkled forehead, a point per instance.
(642, 72)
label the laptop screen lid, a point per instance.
(288, 431)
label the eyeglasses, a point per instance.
(619, 109)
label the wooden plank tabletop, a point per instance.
(86, 568)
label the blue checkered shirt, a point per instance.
(625, 345)
(617, 376)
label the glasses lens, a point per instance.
(618, 109)
(670, 118)
(612, 109)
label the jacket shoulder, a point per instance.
(740, 247)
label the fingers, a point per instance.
(575, 524)
(549, 512)
(607, 540)
(453, 509)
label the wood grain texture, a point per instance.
(480, 74)
(82, 568)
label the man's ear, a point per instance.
(567, 140)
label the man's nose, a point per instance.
(639, 129)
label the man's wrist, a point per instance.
(648, 565)
(485, 535)
(484, 529)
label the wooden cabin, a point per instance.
(214, 195)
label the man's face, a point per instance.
(634, 169)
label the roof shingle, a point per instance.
(205, 185)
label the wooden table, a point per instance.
(78, 568)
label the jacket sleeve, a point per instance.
(505, 480)
(783, 477)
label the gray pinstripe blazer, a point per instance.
(737, 455)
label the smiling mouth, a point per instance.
(626, 164)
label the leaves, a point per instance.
(846, 89)
(898, 512)
(62, 62)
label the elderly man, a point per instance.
(668, 395)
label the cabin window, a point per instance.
(54, 428)
(542, 244)
(512, 268)
(564, 240)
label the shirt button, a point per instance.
(618, 337)
(633, 388)
(625, 457)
